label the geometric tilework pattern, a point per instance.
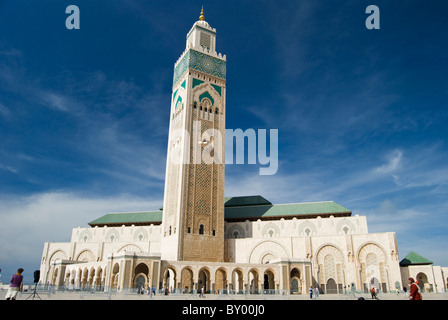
(200, 62)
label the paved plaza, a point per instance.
(80, 295)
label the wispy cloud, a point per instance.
(5, 113)
(8, 168)
(392, 164)
(116, 126)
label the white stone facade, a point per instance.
(329, 256)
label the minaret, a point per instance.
(193, 210)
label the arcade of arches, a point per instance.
(328, 269)
(184, 278)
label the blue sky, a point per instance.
(361, 114)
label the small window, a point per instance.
(205, 40)
(214, 233)
(189, 230)
(201, 229)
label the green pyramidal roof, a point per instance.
(414, 259)
(237, 209)
(245, 201)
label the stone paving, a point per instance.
(78, 295)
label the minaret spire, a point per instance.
(201, 17)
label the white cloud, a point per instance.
(28, 222)
(393, 163)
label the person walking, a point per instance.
(373, 292)
(414, 293)
(16, 285)
(311, 292)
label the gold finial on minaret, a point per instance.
(201, 17)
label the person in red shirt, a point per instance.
(414, 294)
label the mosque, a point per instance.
(200, 239)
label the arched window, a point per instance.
(201, 229)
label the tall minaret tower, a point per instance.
(193, 209)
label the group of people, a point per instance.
(414, 291)
(148, 290)
(314, 292)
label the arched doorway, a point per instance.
(114, 276)
(374, 283)
(170, 279)
(98, 280)
(237, 281)
(296, 284)
(204, 280)
(187, 280)
(269, 282)
(140, 283)
(141, 270)
(331, 286)
(72, 279)
(84, 275)
(220, 280)
(253, 281)
(55, 275)
(423, 283)
(91, 277)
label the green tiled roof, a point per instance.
(121, 218)
(237, 209)
(245, 201)
(277, 211)
(414, 259)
